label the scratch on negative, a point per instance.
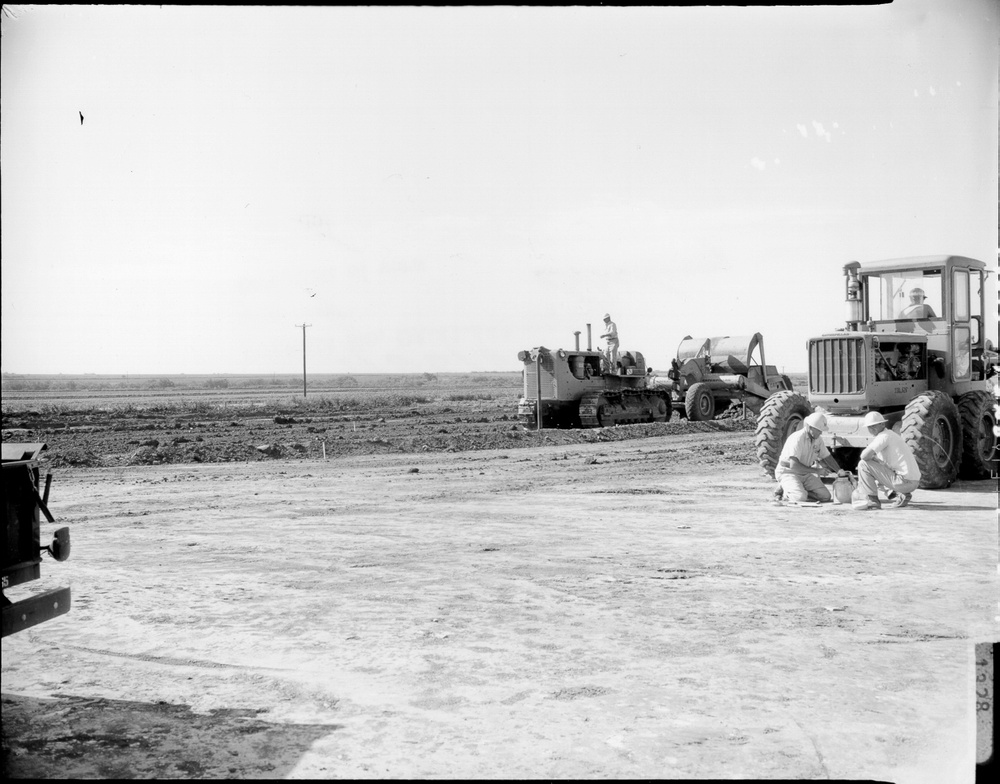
(819, 754)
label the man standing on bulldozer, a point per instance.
(611, 334)
(804, 458)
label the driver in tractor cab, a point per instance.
(917, 309)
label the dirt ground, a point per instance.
(625, 603)
(246, 433)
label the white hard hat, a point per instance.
(873, 418)
(818, 421)
(918, 291)
(607, 317)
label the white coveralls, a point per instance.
(611, 333)
(802, 487)
(895, 467)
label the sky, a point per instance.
(436, 189)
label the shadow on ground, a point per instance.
(78, 738)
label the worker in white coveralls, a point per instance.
(804, 458)
(611, 335)
(887, 461)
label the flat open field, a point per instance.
(483, 603)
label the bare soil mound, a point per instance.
(96, 438)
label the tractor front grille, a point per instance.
(531, 379)
(836, 366)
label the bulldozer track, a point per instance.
(605, 409)
(527, 421)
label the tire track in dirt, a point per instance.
(171, 661)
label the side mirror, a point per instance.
(59, 549)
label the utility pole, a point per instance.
(303, 356)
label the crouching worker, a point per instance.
(887, 461)
(804, 458)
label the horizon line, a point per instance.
(12, 374)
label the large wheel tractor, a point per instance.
(781, 415)
(914, 350)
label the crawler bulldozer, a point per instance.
(578, 388)
(925, 368)
(710, 373)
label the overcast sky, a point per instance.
(435, 189)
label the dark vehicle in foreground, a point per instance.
(25, 499)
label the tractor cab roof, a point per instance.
(915, 263)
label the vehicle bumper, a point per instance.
(35, 610)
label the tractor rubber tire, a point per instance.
(932, 428)
(979, 441)
(699, 403)
(786, 383)
(780, 416)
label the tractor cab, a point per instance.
(905, 300)
(939, 299)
